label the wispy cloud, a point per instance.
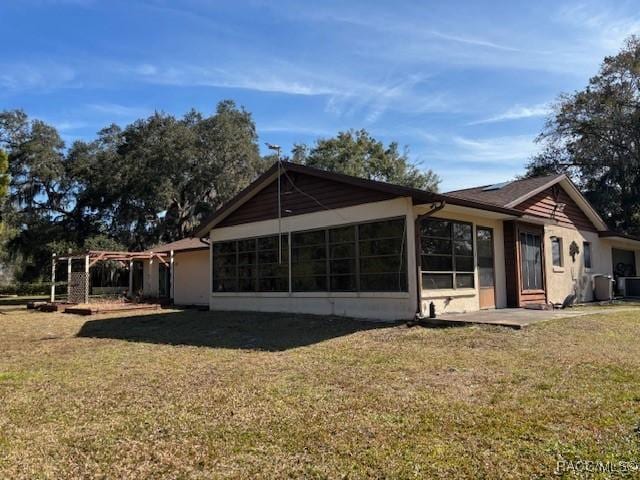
(297, 129)
(240, 77)
(118, 110)
(513, 150)
(474, 41)
(70, 125)
(607, 23)
(516, 113)
(44, 76)
(468, 161)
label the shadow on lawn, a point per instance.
(239, 330)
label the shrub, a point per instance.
(43, 288)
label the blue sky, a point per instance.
(465, 85)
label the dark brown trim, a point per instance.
(530, 296)
(418, 196)
(611, 234)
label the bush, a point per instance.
(43, 288)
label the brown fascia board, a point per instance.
(418, 196)
(610, 234)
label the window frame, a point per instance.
(255, 265)
(587, 246)
(453, 273)
(556, 240)
(328, 274)
(540, 236)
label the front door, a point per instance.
(486, 267)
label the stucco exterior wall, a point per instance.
(573, 277)
(191, 277)
(467, 300)
(378, 306)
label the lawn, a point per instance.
(187, 394)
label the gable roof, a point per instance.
(418, 196)
(189, 243)
(512, 194)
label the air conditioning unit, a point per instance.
(630, 286)
(602, 287)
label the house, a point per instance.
(183, 278)
(361, 248)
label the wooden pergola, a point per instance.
(92, 257)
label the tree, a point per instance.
(357, 153)
(594, 136)
(4, 175)
(5, 233)
(148, 182)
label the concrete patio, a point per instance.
(516, 318)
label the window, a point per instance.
(556, 251)
(342, 259)
(531, 261)
(381, 255)
(273, 271)
(251, 265)
(446, 254)
(364, 257)
(225, 261)
(586, 249)
(309, 261)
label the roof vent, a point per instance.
(495, 186)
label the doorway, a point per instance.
(486, 268)
(164, 280)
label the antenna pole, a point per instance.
(279, 214)
(276, 148)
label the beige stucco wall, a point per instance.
(382, 306)
(562, 281)
(467, 300)
(191, 278)
(573, 276)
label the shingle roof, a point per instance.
(507, 194)
(418, 196)
(178, 245)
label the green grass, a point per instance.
(201, 395)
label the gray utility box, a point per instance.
(603, 287)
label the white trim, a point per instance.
(585, 206)
(449, 292)
(573, 192)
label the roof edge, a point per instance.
(418, 196)
(535, 191)
(612, 234)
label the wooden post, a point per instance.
(68, 278)
(130, 278)
(53, 278)
(150, 289)
(86, 279)
(171, 275)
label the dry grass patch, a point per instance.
(200, 395)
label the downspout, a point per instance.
(435, 207)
